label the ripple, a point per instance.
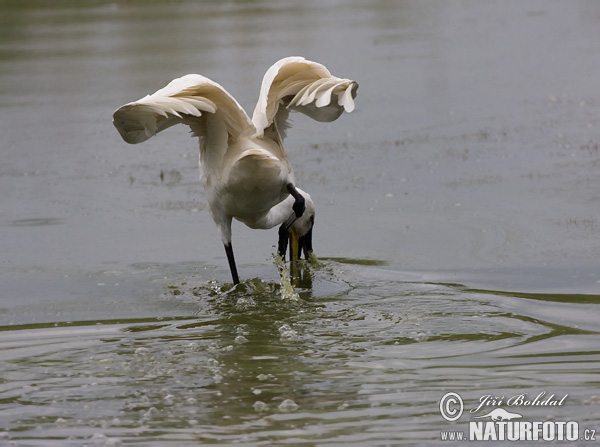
(36, 222)
(364, 350)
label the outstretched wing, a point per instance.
(182, 100)
(295, 83)
(210, 111)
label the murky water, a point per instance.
(457, 226)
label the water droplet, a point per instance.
(142, 351)
(287, 333)
(241, 330)
(288, 405)
(245, 303)
(191, 347)
(260, 406)
(240, 339)
(152, 411)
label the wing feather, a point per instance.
(295, 83)
(182, 99)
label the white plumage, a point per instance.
(245, 170)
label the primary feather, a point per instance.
(308, 87)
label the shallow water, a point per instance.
(362, 358)
(457, 226)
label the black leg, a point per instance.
(232, 267)
(283, 240)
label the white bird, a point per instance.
(245, 170)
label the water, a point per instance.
(456, 229)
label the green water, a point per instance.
(456, 226)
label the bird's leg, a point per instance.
(283, 240)
(231, 260)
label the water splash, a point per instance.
(313, 260)
(287, 290)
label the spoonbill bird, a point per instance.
(245, 170)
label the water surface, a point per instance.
(457, 225)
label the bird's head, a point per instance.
(301, 230)
(298, 230)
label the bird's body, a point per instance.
(256, 170)
(244, 167)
